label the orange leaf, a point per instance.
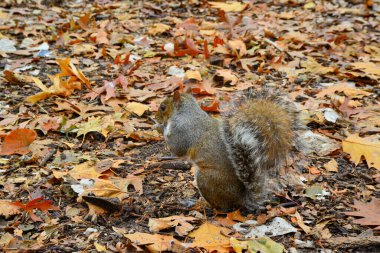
(214, 107)
(18, 141)
(37, 203)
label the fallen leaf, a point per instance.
(211, 237)
(181, 224)
(358, 147)
(228, 7)
(18, 141)
(193, 74)
(332, 165)
(261, 244)
(137, 108)
(7, 209)
(227, 75)
(158, 28)
(154, 243)
(369, 211)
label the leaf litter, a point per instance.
(82, 167)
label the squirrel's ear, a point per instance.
(176, 97)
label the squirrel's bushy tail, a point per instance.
(261, 134)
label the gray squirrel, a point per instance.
(237, 157)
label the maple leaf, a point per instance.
(369, 211)
(18, 141)
(37, 203)
(211, 237)
(358, 147)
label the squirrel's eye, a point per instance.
(162, 107)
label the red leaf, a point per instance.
(18, 141)
(214, 107)
(37, 203)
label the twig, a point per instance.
(277, 47)
(353, 242)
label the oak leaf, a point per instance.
(369, 211)
(7, 209)
(154, 243)
(180, 222)
(158, 28)
(358, 147)
(229, 7)
(18, 141)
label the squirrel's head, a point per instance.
(170, 104)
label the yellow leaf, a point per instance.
(367, 67)
(38, 97)
(99, 247)
(358, 147)
(311, 65)
(229, 7)
(84, 170)
(211, 237)
(193, 74)
(332, 165)
(309, 5)
(39, 84)
(158, 28)
(137, 108)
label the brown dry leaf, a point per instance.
(84, 170)
(358, 147)
(227, 75)
(369, 211)
(345, 88)
(332, 165)
(370, 68)
(137, 108)
(154, 243)
(7, 209)
(211, 238)
(180, 222)
(237, 47)
(115, 187)
(17, 142)
(193, 74)
(311, 65)
(229, 6)
(297, 218)
(158, 28)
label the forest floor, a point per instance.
(83, 170)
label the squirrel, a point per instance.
(236, 156)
